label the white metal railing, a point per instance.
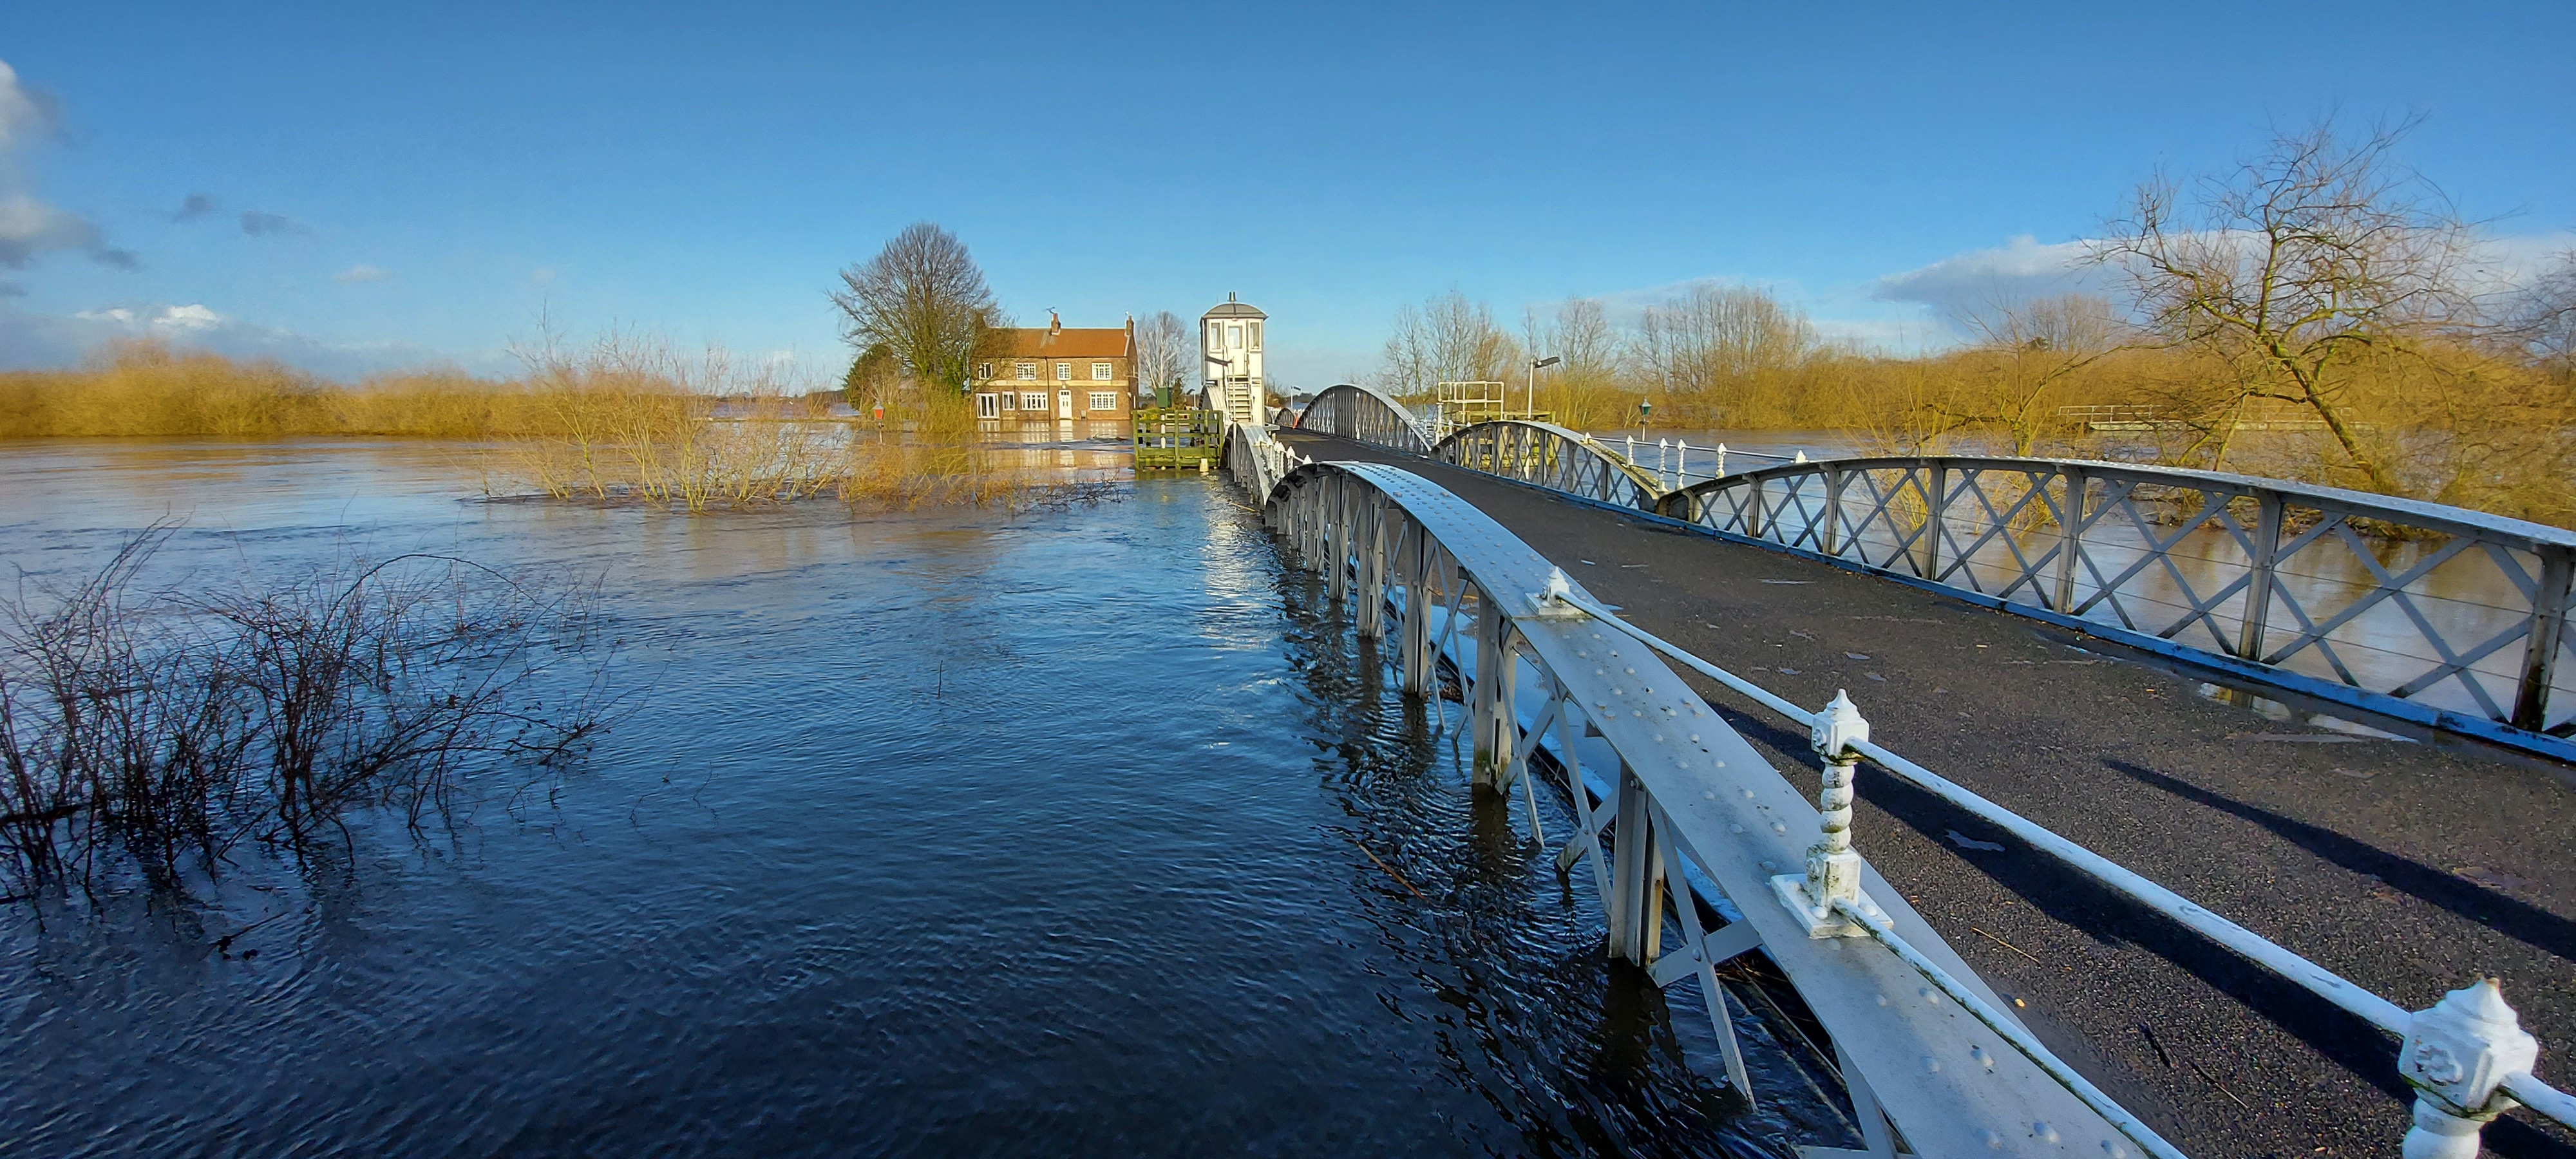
(2466, 1056)
(1672, 460)
(1684, 800)
(2450, 618)
(1367, 415)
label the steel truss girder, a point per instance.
(1690, 795)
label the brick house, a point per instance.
(1058, 372)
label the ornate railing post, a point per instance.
(2456, 1056)
(1833, 870)
(2258, 583)
(2548, 630)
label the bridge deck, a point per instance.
(2408, 867)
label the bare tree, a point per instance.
(1449, 338)
(1712, 343)
(1582, 391)
(2298, 269)
(2543, 320)
(2027, 351)
(1166, 352)
(925, 300)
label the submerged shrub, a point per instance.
(152, 734)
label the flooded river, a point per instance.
(935, 833)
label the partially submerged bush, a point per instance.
(155, 734)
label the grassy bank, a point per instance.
(622, 421)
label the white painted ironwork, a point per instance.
(2467, 1057)
(1366, 414)
(2435, 614)
(1550, 456)
(1680, 793)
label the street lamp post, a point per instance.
(1535, 364)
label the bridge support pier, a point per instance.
(1372, 568)
(1491, 712)
(1636, 916)
(1413, 562)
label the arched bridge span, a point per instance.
(1684, 794)
(1550, 456)
(2448, 617)
(1368, 415)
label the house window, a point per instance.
(1033, 401)
(984, 370)
(1234, 336)
(1100, 372)
(1256, 334)
(1028, 372)
(985, 406)
(1064, 372)
(1010, 401)
(1104, 400)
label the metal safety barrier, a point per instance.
(1366, 414)
(2434, 614)
(1550, 456)
(2466, 1056)
(1910, 1022)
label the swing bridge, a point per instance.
(1701, 851)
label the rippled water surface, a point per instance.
(1077, 832)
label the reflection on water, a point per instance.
(933, 834)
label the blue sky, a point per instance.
(387, 187)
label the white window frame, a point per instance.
(1027, 372)
(1104, 400)
(1256, 334)
(1033, 401)
(1010, 400)
(1064, 372)
(986, 406)
(1103, 372)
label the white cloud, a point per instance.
(1978, 281)
(361, 273)
(188, 319)
(31, 340)
(157, 321)
(542, 275)
(29, 228)
(23, 114)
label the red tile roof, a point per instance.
(1040, 342)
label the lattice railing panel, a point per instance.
(2436, 607)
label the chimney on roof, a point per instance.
(1055, 325)
(1229, 295)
